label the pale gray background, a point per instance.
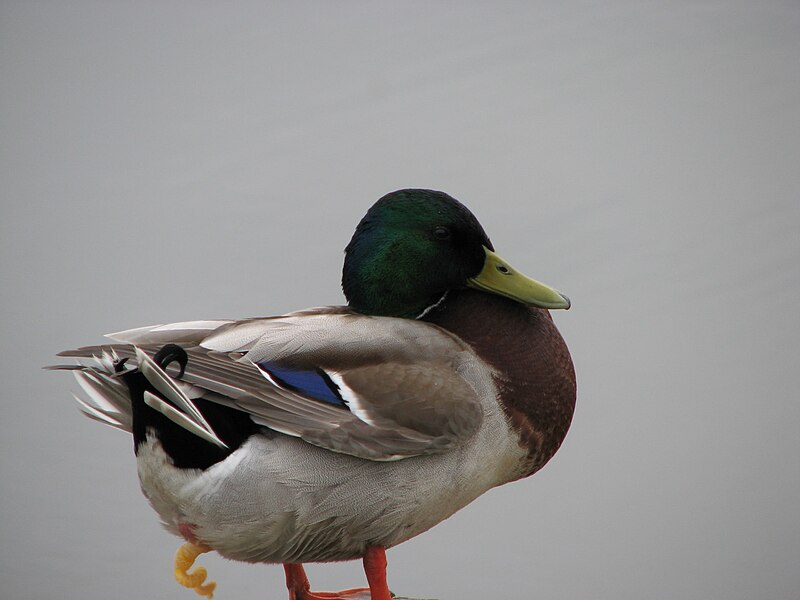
(171, 160)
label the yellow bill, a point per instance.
(498, 277)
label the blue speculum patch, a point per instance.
(313, 383)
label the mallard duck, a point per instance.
(335, 433)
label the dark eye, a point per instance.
(441, 233)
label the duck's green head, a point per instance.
(413, 246)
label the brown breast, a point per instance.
(536, 379)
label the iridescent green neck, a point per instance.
(387, 282)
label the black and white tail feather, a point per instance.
(107, 398)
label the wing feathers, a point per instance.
(181, 419)
(398, 378)
(186, 332)
(190, 418)
(167, 386)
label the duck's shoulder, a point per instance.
(337, 335)
(336, 330)
(532, 366)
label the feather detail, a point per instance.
(105, 396)
(181, 419)
(314, 383)
(177, 333)
(352, 400)
(93, 413)
(167, 386)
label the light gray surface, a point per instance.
(177, 160)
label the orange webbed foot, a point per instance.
(374, 567)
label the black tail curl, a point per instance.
(172, 353)
(184, 449)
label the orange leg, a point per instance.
(374, 567)
(296, 581)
